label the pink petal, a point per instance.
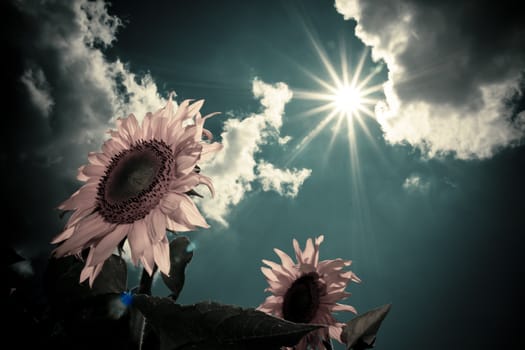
(121, 142)
(176, 227)
(146, 126)
(209, 148)
(335, 281)
(134, 128)
(344, 307)
(335, 331)
(308, 253)
(189, 182)
(285, 279)
(94, 170)
(148, 260)
(161, 254)
(94, 273)
(279, 270)
(157, 228)
(99, 158)
(174, 128)
(182, 111)
(351, 276)
(155, 125)
(332, 298)
(199, 125)
(170, 202)
(317, 244)
(85, 273)
(187, 158)
(273, 299)
(85, 196)
(271, 305)
(131, 125)
(194, 108)
(64, 235)
(138, 240)
(277, 288)
(80, 174)
(286, 261)
(298, 251)
(186, 183)
(79, 214)
(204, 180)
(87, 230)
(328, 266)
(208, 134)
(106, 246)
(109, 148)
(161, 130)
(95, 159)
(269, 274)
(188, 213)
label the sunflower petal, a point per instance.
(106, 246)
(161, 254)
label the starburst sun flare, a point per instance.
(348, 96)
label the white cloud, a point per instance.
(234, 170)
(286, 182)
(38, 89)
(80, 92)
(71, 82)
(452, 67)
(284, 140)
(415, 184)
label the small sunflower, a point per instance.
(308, 291)
(138, 187)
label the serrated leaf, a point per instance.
(11, 256)
(101, 320)
(217, 326)
(360, 332)
(63, 275)
(179, 258)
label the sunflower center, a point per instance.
(302, 299)
(135, 181)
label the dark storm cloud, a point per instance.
(451, 47)
(451, 66)
(462, 45)
(63, 95)
(66, 95)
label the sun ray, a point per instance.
(324, 58)
(361, 235)
(359, 68)
(348, 96)
(344, 64)
(311, 135)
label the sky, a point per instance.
(422, 189)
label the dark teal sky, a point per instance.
(448, 259)
(448, 256)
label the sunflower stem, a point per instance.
(137, 321)
(146, 281)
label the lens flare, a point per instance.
(347, 99)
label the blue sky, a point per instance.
(426, 196)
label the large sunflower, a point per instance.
(308, 291)
(138, 187)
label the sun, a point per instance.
(348, 99)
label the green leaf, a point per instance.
(215, 326)
(360, 332)
(179, 258)
(63, 275)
